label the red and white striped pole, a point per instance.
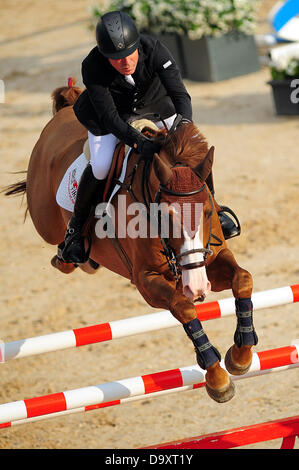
(113, 393)
(136, 325)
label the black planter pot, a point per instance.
(213, 59)
(285, 97)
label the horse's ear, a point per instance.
(203, 169)
(162, 171)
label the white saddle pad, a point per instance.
(67, 191)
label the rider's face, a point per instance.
(127, 65)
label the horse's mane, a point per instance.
(186, 145)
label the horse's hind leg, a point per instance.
(225, 273)
(63, 267)
(90, 267)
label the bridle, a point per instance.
(172, 258)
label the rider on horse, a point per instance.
(127, 75)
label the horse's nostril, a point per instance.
(201, 298)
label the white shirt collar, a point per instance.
(129, 79)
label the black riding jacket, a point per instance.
(109, 100)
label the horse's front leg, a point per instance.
(153, 285)
(225, 273)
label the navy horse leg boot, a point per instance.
(229, 228)
(90, 190)
(207, 356)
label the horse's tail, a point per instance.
(65, 95)
(16, 189)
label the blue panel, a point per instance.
(286, 12)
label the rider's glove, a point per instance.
(148, 147)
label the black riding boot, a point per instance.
(229, 228)
(90, 191)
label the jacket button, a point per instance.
(134, 109)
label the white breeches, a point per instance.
(102, 149)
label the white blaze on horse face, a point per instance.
(195, 281)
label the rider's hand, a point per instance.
(148, 147)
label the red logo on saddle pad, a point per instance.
(72, 186)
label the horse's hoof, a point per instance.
(90, 267)
(65, 268)
(222, 395)
(233, 367)
(219, 385)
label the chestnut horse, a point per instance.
(170, 271)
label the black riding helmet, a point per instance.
(116, 35)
